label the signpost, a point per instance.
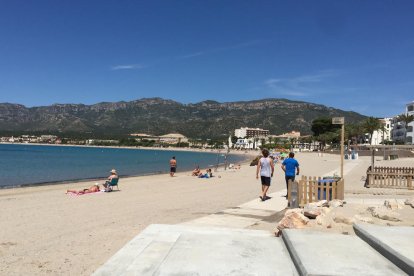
(341, 121)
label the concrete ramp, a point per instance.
(317, 253)
(396, 243)
(191, 250)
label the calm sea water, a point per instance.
(22, 164)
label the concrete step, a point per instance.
(396, 243)
(192, 250)
(316, 253)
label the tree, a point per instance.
(353, 132)
(325, 131)
(383, 130)
(406, 119)
(323, 125)
(370, 125)
(328, 137)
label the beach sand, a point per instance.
(45, 231)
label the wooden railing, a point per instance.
(390, 177)
(311, 189)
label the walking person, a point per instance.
(173, 166)
(289, 166)
(265, 167)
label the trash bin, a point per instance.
(322, 192)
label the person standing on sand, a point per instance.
(289, 166)
(266, 168)
(173, 166)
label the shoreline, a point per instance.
(245, 161)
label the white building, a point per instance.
(378, 136)
(409, 110)
(247, 143)
(402, 132)
(246, 132)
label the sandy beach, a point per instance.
(45, 231)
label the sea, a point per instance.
(27, 165)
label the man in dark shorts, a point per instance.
(265, 167)
(173, 166)
(289, 166)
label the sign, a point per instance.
(338, 120)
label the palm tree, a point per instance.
(383, 130)
(406, 119)
(370, 125)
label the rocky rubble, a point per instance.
(293, 219)
(410, 202)
(326, 215)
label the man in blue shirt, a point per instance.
(289, 166)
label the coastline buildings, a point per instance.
(288, 135)
(401, 132)
(171, 138)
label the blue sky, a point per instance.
(352, 55)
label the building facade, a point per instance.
(402, 132)
(379, 136)
(409, 110)
(246, 132)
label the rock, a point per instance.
(278, 232)
(384, 213)
(326, 219)
(294, 210)
(363, 219)
(409, 202)
(291, 220)
(343, 219)
(312, 214)
(392, 204)
(321, 203)
(326, 211)
(336, 203)
(312, 211)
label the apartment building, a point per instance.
(409, 110)
(402, 132)
(246, 132)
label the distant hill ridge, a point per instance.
(206, 119)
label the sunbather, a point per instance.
(92, 189)
(196, 171)
(208, 174)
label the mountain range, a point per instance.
(157, 116)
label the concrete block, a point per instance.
(317, 253)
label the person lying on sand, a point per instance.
(208, 174)
(92, 189)
(196, 171)
(235, 167)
